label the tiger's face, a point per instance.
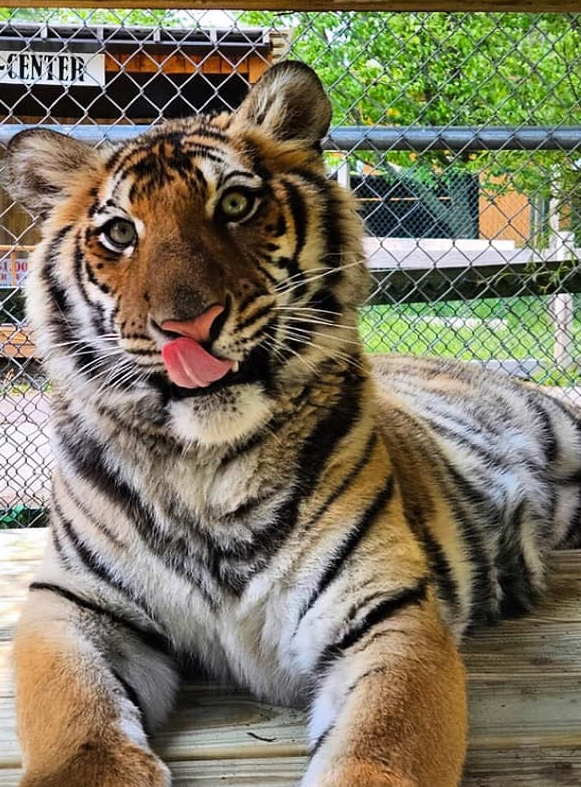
(205, 266)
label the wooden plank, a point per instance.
(524, 692)
(212, 723)
(560, 6)
(4, 247)
(428, 253)
(535, 767)
(257, 65)
(217, 724)
(15, 342)
(16, 545)
(177, 63)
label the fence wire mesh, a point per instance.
(456, 133)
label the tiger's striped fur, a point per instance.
(309, 526)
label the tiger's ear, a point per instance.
(288, 101)
(41, 166)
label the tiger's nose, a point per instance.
(199, 328)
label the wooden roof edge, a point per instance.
(18, 34)
(558, 6)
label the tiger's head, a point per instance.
(205, 266)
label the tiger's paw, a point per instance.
(359, 773)
(96, 766)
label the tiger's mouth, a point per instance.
(193, 370)
(233, 377)
(255, 369)
(190, 364)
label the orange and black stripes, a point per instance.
(149, 637)
(353, 538)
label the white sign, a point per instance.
(12, 276)
(24, 67)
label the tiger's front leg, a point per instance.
(88, 685)
(391, 709)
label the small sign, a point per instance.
(25, 67)
(12, 275)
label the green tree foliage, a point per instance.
(435, 69)
(439, 68)
(91, 16)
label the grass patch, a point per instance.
(488, 329)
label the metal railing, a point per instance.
(352, 138)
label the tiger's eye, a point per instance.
(235, 205)
(120, 233)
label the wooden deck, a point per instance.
(525, 700)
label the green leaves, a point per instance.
(440, 68)
(100, 16)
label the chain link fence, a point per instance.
(456, 133)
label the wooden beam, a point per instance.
(143, 62)
(559, 6)
(15, 342)
(250, 65)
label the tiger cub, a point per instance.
(236, 483)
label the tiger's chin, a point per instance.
(224, 412)
(222, 416)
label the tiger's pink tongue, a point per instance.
(190, 366)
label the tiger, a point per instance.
(238, 486)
